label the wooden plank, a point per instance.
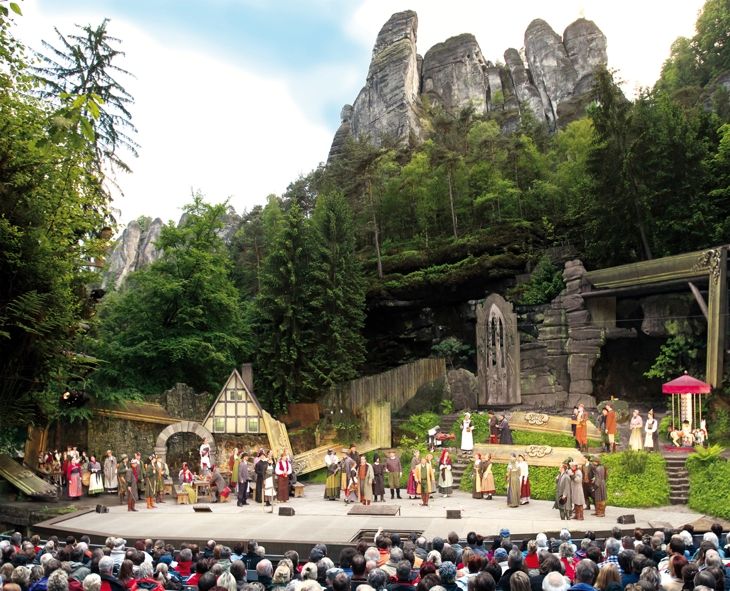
(545, 423)
(390, 510)
(24, 480)
(535, 455)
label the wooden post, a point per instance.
(716, 318)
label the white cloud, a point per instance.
(639, 32)
(203, 123)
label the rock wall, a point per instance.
(555, 87)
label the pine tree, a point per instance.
(283, 315)
(337, 294)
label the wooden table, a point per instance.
(202, 487)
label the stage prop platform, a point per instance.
(320, 520)
(536, 455)
(375, 509)
(544, 423)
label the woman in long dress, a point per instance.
(349, 471)
(73, 477)
(581, 428)
(636, 424)
(111, 481)
(513, 482)
(269, 487)
(467, 435)
(524, 480)
(96, 481)
(283, 470)
(187, 478)
(477, 492)
(446, 478)
(650, 428)
(412, 484)
(332, 484)
(487, 478)
(378, 479)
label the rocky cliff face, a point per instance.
(554, 85)
(137, 248)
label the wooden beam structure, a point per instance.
(710, 265)
(535, 455)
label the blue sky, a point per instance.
(236, 98)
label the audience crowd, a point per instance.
(666, 560)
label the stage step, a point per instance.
(678, 477)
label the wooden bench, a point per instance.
(298, 490)
(167, 488)
(182, 495)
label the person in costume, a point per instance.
(242, 479)
(259, 467)
(651, 426)
(350, 482)
(467, 434)
(505, 433)
(611, 426)
(636, 425)
(446, 478)
(163, 473)
(111, 480)
(493, 428)
(333, 482)
(122, 478)
(150, 482)
(588, 483)
(412, 485)
(233, 461)
(602, 428)
(187, 478)
(513, 482)
(378, 479)
(96, 478)
(688, 438)
(581, 428)
(563, 500)
(525, 491)
(600, 494)
(131, 482)
(423, 474)
(136, 464)
(73, 477)
(486, 477)
(205, 460)
(283, 470)
(365, 477)
(576, 490)
(270, 486)
(476, 493)
(394, 472)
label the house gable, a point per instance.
(236, 410)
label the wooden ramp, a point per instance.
(313, 459)
(25, 481)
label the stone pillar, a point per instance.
(716, 315)
(498, 353)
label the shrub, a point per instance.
(551, 439)
(546, 282)
(649, 488)
(708, 486)
(705, 455)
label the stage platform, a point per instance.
(320, 520)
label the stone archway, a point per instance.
(183, 427)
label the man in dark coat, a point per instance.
(505, 433)
(259, 468)
(243, 480)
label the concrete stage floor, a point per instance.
(319, 520)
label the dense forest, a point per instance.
(632, 180)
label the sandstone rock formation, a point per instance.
(555, 87)
(454, 74)
(388, 104)
(135, 249)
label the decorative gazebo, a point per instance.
(685, 407)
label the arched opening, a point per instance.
(187, 436)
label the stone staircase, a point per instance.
(450, 424)
(678, 477)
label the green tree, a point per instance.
(337, 294)
(283, 322)
(53, 227)
(84, 72)
(178, 320)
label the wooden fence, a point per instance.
(397, 386)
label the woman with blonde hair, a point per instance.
(607, 574)
(519, 581)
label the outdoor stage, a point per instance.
(319, 520)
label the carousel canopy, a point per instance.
(686, 384)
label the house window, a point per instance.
(219, 424)
(253, 425)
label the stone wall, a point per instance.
(182, 402)
(121, 436)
